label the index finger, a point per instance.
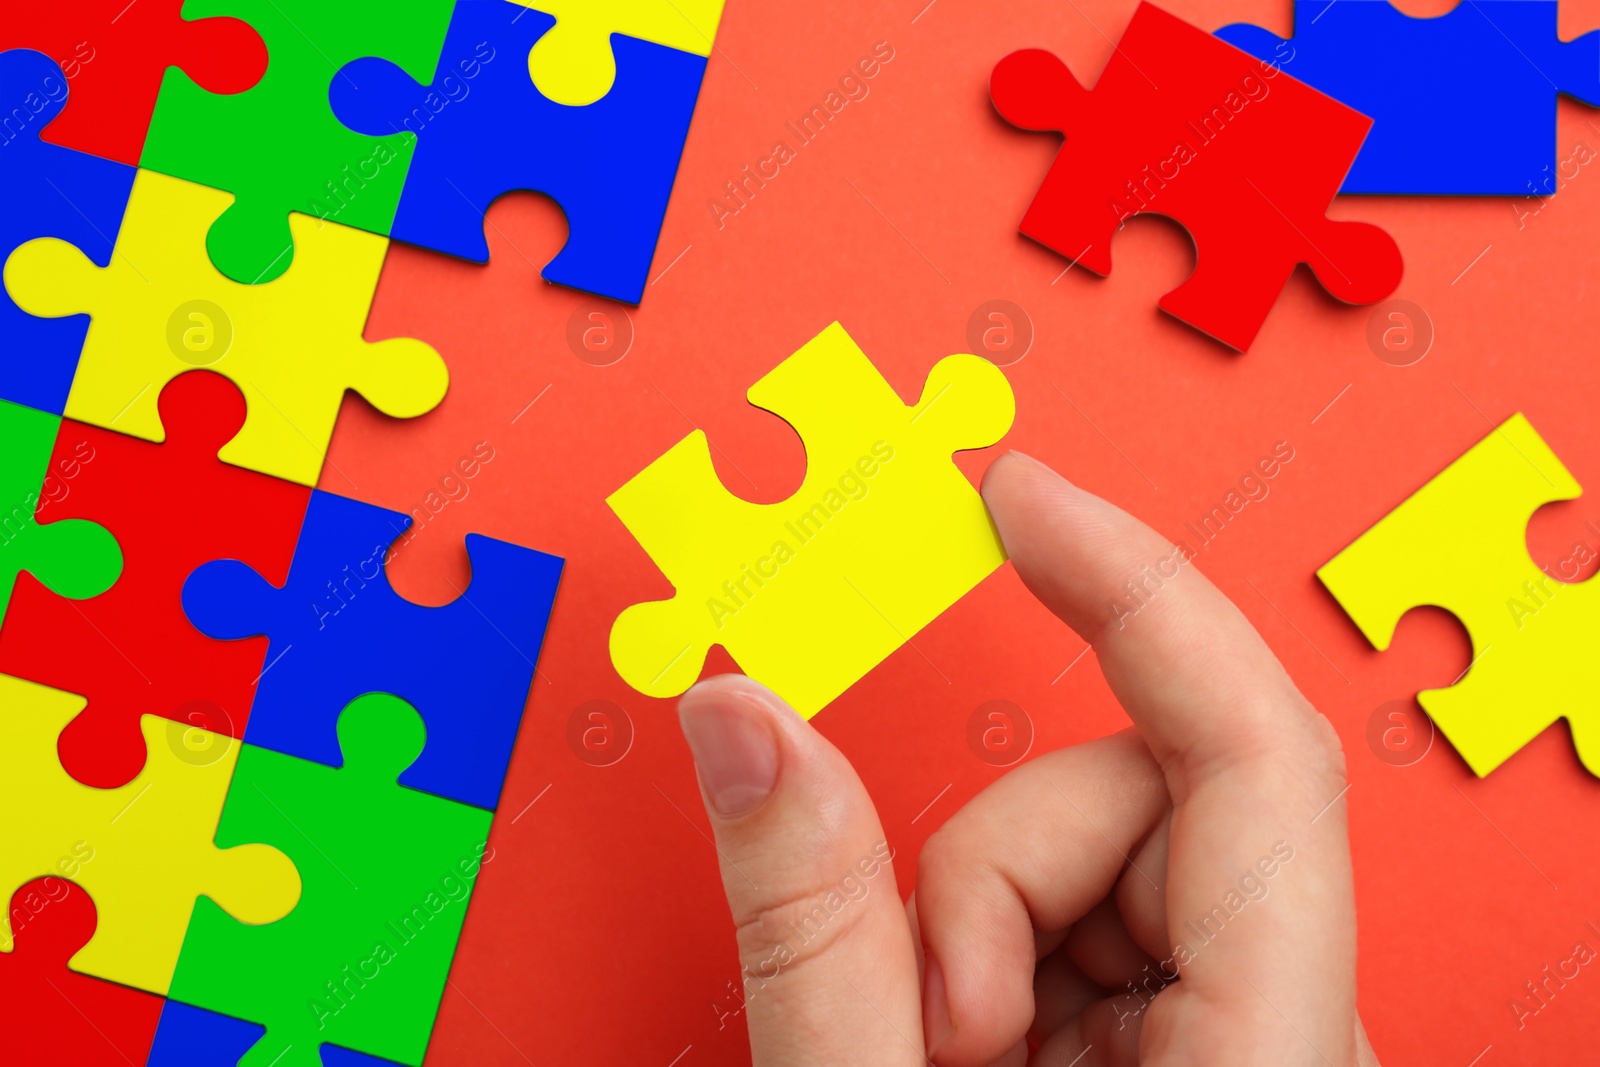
(1253, 770)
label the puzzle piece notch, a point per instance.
(144, 851)
(1470, 110)
(73, 558)
(387, 884)
(47, 1005)
(321, 167)
(464, 158)
(466, 667)
(69, 195)
(809, 594)
(292, 346)
(1460, 544)
(118, 53)
(573, 64)
(131, 651)
(1254, 201)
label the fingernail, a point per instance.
(1037, 463)
(733, 746)
(935, 1006)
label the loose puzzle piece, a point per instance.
(338, 630)
(293, 347)
(483, 129)
(194, 1037)
(1462, 103)
(49, 192)
(144, 852)
(1242, 156)
(73, 558)
(115, 53)
(1460, 543)
(388, 873)
(573, 63)
(47, 1005)
(810, 594)
(131, 650)
(277, 147)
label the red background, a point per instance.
(599, 932)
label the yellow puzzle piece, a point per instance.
(1460, 543)
(573, 64)
(293, 345)
(143, 851)
(811, 593)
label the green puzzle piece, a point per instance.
(277, 146)
(386, 874)
(74, 558)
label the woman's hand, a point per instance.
(1178, 893)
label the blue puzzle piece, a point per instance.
(338, 630)
(483, 129)
(1461, 104)
(194, 1037)
(47, 191)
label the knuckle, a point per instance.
(783, 935)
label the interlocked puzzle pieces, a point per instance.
(276, 146)
(1464, 103)
(144, 852)
(131, 650)
(465, 158)
(115, 53)
(573, 63)
(293, 346)
(49, 192)
(1183, 125)
(387, 874)
(811, 593)
(1460, 544)
(46, 1005)
(338, 630)
(73, 558)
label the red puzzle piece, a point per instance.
(1243, 156)
(132, 651)
(54, 1015)
(114, 54)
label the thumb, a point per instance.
(828, 965)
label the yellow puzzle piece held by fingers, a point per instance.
(1460, 544)
(810, 594)
(573, 64)
(143, 851)
(292, 345)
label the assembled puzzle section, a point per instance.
(293, 347)
(276, 146)
(144, 852)
(810, 594)
(48, 191)
(115, 54)
(54, 1015)
(1463, 103)
(1460, 543)
(73, 558)
(483, 129)
(387, 876)
(337, 630)
(1245, 158)
(131, 651)
(574, 63)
